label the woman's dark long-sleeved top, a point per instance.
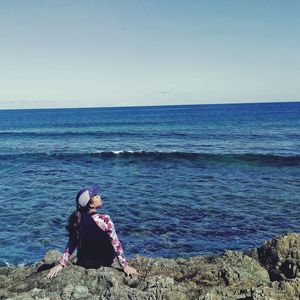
(105, 223)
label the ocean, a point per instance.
(177, 181)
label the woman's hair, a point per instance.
(74, 220)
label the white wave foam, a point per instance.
(117, 152)
(7, 264)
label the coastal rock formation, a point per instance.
(269, 272)
(281, 257)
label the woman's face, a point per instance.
(97, 201)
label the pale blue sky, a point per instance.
(117, 53)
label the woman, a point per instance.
(93, 235)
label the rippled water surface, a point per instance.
(176, 180)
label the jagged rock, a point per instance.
(238, 269)
(80, 292)
(268, 272)
(280, 256)
(173, 295)
(277, 290)
(51, 256)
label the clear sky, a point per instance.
(59, 53)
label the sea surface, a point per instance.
(177, 181)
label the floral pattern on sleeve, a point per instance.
(71, 246)
(106, 224)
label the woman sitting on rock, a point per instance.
(93, 235)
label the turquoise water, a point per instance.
(176, 180)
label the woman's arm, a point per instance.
(64, 259)
(106, 224)
(71, 246)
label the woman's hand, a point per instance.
(53, 272)
(130, 271)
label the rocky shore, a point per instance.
(271, 271)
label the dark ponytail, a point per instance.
(74, 220)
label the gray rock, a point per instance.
(237, 269)
(115, 293)
(51, 256)
(173, 295)
(80, 292)
(23, 296)
(281, 254)
(67, 291)
(268, 272)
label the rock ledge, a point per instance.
(269, 272)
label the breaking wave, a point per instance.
(269, 159)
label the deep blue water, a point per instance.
(177, 180)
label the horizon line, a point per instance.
(151, 105)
